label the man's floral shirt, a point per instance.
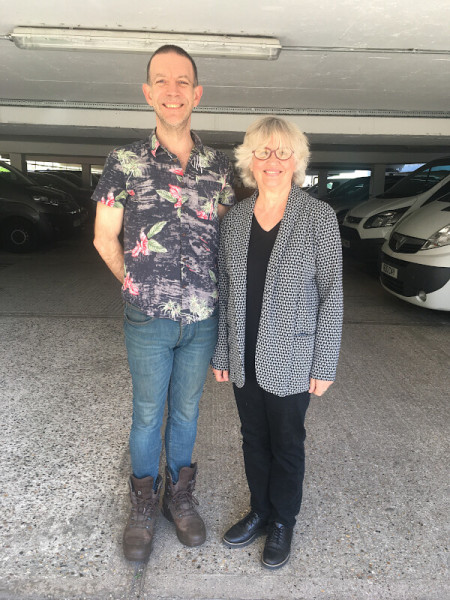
(171, 226)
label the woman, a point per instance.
(280, 307)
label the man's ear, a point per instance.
(147, 91)
(198, 93)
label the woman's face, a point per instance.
(273, 173)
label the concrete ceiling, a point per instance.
(367, 81)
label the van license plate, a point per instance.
(388, 270)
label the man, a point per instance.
(168, 192)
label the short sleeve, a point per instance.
(227, 197)
(111, 188)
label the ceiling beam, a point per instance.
(319, 124)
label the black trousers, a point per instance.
(273, 436)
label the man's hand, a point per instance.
(318, 387)
(221, 375)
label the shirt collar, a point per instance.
(157, 148)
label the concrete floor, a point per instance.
(374, 519)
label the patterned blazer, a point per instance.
(301, 318)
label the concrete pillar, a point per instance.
(377, 180)
(323, 179)
(18, 161)
(86, 175)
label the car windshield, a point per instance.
(418, 182)
(351, 185)
(73, 178)
(52, 180)
(13, 176)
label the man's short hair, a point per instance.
(167, 49)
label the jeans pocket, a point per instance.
(135, 316)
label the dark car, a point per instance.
(30, 213)
(332, 184)
(81, 195)
(75, 177)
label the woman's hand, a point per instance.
(317, 386)
(221, 375)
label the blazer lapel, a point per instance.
(241, 238)
(293, 207)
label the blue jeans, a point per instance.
(168, 360)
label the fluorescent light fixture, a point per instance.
(99, 40)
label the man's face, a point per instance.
(171, 90)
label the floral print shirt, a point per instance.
(171, 225)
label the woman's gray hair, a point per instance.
(259, 134)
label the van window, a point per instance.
(440, 193)
(419, 181)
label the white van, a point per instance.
(355, 191)
(367, 226)
(415, 262)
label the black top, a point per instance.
(259, 251)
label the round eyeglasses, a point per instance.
(280, 153)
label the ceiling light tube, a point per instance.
(98, 40)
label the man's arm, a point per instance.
(108, 224)
(222, 210)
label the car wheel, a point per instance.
(19, 235)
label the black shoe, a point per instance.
(245, 531)
(278, 546)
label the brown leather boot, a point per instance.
(138, 534)
(178, 507)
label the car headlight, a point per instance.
(46, 200)
(438, 239)
(387, 218)
(340, 215)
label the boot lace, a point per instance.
(184, 503)
(142, 511)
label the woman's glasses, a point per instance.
(280, 153)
